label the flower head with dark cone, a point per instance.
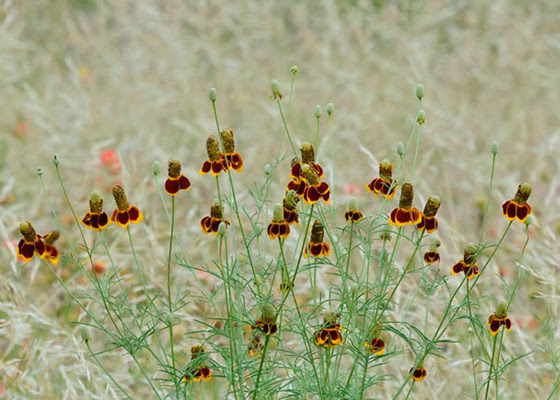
(256, 346)
(234, 159)
(376, 345)
(352, 215)
(518, 208)
(419, 374)
(96, 218)
(176, 181)
(316, 246)
(429, 222)
(267, 322)
(307, 157)
(125, 213)
(51, 252)
(385, 184)
(467, 265)
(499, 318)
(315, 189)
(329, 335)
(30, 244)
(210, 224)
(405, 213)
(216, 161)
(299, 181)
(290, 207)
(279, 227)
(197, 371)
(432, 255)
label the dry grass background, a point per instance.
(85, 76)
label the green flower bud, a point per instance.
(318, 111)
(276, 91)
(421, 117)
(529, 220)
(156, 168)
(330, 108)
(420, 91)
(222, 228)
(495, 147)
(212, 94)
(400, 149)
(84, 332)
(56, 161)
(40, 171)
(278, 213)
(267, 170)
(294, 70)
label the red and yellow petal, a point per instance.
(431, 257)
(457, 268)
(273, 230)
(284, 230)
(172, 186)
(134, 214)
(507, 323)
(205, 168)
(311, 195)
(236, 162)
(523, 211)
(217, 167)
(87, 220)
(495, 326)
(25, 250)
(415, 216)
(295, 172)
(206, 224)
(39, 247)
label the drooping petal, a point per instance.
(172, 186)
(184, 182)
(457, 268)
(134, 214)
(205, 168)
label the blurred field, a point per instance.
(80, 77)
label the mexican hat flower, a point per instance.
(197, 371)
(315, 189)
(30, 244)
(279, 227)
(216, 161)
(317, 247)
(518, 208)
(329, 335)
(432, 255)
(51, 252)
(384, 184)
(96, 218)
(267, 322)
(429, 222)
(498, 319)
(176, 181)
(125, 213)
(290, 207)
(210, 224)
(234, 159)
(467, 265)
(405, 213)
(352, 215)
(419, 373)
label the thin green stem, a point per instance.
(286, 128)
(491, 367)
(169, 303)
(485, 217)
